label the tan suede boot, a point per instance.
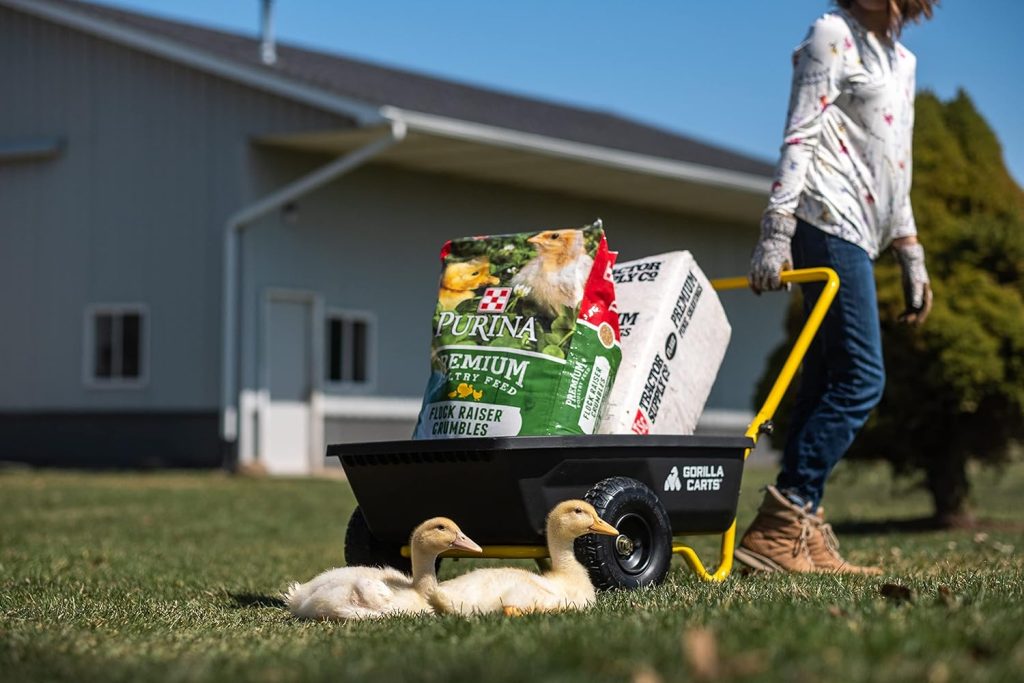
(777, 538)
(824, 549)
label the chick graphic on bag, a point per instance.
(525, 336)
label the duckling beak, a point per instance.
(603, 527)
(464, 542)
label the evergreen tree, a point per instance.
(955, 386)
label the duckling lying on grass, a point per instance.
(367, 592)
(517, 591)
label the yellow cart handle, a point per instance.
(803, 341)
(771, 403)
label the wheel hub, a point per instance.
(633, 545)
(624, 545)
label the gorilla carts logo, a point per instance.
(672, 481)
(696, 478)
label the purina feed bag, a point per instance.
(525, 336)
(674, 336)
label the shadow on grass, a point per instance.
(911, 525)
(251, 600)
(852, 527)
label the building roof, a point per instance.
(381, 85)
(454, 128)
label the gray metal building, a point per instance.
(206, 255)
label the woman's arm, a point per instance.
(817, 74)
(917, 288)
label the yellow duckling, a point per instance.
(516, 591)
(368, 592)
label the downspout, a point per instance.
(237, 224)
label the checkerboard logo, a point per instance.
(495, 300)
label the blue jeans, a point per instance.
(843, 374)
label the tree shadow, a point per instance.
(255, 600)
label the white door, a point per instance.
(286, 435)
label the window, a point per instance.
(349, 348)
(115, 337)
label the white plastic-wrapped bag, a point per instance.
(674, 336)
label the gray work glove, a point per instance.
(917, 291)
(773, 252)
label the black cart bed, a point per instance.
(503, 487)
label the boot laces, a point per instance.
(800, 547)
(831, 540)
(828, 534)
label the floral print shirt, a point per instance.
(846, 159)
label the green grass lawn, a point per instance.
(174, 577)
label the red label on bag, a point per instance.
(598, 305)
(640, 423)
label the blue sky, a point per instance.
(716, 70)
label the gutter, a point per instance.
(233, 230)
(444, 126)
(31, 149)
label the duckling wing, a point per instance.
(362, 598)
(375, 595)
(347, 593)
(298, 593)
(491, 590)
(537, 595)
(404, 598)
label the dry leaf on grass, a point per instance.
(896, 592)
(700, 647)
(748, 663)
(646, 674)
(946, 596)
(837, 611)
(938, 673)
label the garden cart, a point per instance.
(653, 489)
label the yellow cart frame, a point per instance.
(754, 430)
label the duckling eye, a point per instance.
(475, 273)
(440, 527)
(578, 511)
(553, 236)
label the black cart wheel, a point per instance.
(642, 552)
(362, 548)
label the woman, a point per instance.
(841, 196)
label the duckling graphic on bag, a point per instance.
(460, 281)
(525, 335)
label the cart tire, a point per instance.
(364, 549)
(642, 553)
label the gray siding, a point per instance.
(112, 439)
(157, 157)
